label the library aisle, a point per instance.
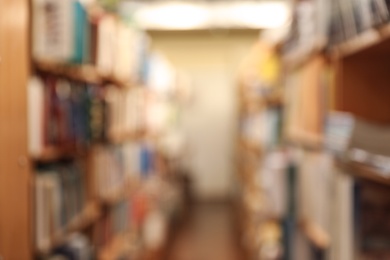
(194, 130)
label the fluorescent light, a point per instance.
(257, 15)
(174, 15)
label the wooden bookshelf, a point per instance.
(316, 234)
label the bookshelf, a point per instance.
(260, 99)
(343, 55)
(82, 96)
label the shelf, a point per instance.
(316, 234)
(84, 73)
(117, 248)
(87, 217)
(52, 154)
(363, 171)
(366, 40)
(80, 72)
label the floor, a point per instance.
(209, 234)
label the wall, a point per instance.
(211, 60)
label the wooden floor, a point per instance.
(209, 234)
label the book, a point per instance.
(59, 198)
(35, 116)
(53, 29)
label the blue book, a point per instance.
(81, 37)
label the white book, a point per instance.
(53, 29)
(123, 54)
(36, 115)
(106, 45)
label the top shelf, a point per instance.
(80, 72)
(372, 39)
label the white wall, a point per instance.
(210, 121)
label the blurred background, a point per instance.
(194, 130)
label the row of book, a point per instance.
(352, 17)
(60, 197)
(68, 32)
(319, 23)
(65, 113)
(116, 165)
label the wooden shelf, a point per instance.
(118, 247)
(80, 72)
(316, 234)
(364, 41)
(52, 154)
(85, 73)
(363, 171)
(86, 218)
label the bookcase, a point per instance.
(334, 148)
(259, 150)
(356, 90)
(85, 120)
